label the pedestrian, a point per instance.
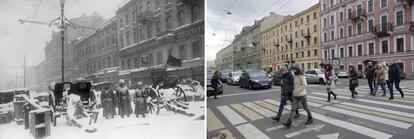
(286, 92)
(124, 103)
(353, 81)
(140, 100)
(215, 82)
(108, 102)
(370, 75)
(394, 77)
(386, 70)
(330, 83)
(380, 79)
(299, 95)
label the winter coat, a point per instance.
(353, 79)
(299, 84)
(394, 73)
(124, 102)
(370, 75)
(386, 70)
(287, 85)
(108, 103)
(330, 79)
(215, 82)
(380, 76)
(140, 101)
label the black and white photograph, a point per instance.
(102, 69)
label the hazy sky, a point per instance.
(17, 39)
(243, 13)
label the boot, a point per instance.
(310, 121)
(402, 94)
(288, 123)
(391, 98)
(297, 115)
(275, 118)
(329, 97)
(334, 95)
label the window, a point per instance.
(197, 49)
(302, 54)
(150, 60)
(349, 31)
(134, 15)
(325, 54)
(332, 20)
(359, 48)
(169, 22)
(325, 39)
(350, 51)
(359, 28)
(301, 21)
(341, 52)
(315, 40)
(126, 19)
(341, 16)
(332, 35)
(332, 3)
(159, 57)
(349, 14)
(148, 5)
(384, 46)
(324, 22)
(309, 65)
(332, 53)
(195, 13)
(314, 15)
(383, 3)
(384, 21)
(370, 6)
(136, 62)
(109, 62)
(400, 18)
(400, 45)
(341, 33)
(129, 63)
(309, 53)
(315, 52)
(158, 25)
(149, 31)
(157, 4)
(121, 39)
(370, 25)
(315, 28)
(371, 48)
(180, 18)
(308, 18)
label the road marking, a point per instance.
(227, 133)
(213, 122)
(314, 104)
(396, 99)
(396, 93)
(251, 132)
(309, 128)
(231, 115)
(274, 128)
(380, 109)
(247, 112)
(249, 93)
(350, 126)
(402, 88)
(259, 109)
(369, 117)
(329, 136)
(266, 105)
(322, 99)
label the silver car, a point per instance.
(317, 76)
(234, 77)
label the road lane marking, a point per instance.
(329, 136)
(322, 99)
(274, 128)
(396, 99)
(396, 92)
(231, 115)
(249, 93)
(308, 128)
(369, 117)
(251, 132)
(213, 122)
(350, 126)
(380, 109)
(262, 111)
(266, 105)
(246, 112)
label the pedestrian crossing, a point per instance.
(245, 119)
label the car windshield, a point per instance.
(320, 71)
(256, 74)
(236, 73)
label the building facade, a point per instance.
(151, 30)
(96, 57)
(224, 58)
(294, 40)
(247, 48)
(378, 30)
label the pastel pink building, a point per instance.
(353, 31)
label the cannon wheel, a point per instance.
(180, 94)
(153, 100)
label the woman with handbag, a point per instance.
(353, 81)
(330, 83)
(380, 78)
(299, 95)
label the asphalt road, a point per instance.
(242, 113)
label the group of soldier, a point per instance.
(121, 99)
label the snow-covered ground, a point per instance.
(167, 124)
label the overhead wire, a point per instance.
(227, 9)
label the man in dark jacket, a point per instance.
(124, 102)
(394, 77)
(353, 81)
(215, 82)
(370, 75)
(286, 92)
(108, 102)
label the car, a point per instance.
(224, 76)
(403, 75)
(254, 79)
(277, 77)
(233, 77)
(210, 89)
(317, 76)
(342, 74)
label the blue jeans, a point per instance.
(282, 106)
(382, 87)
(353, 92)
(391, 87)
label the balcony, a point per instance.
(383, 30)
(289, 39)
(358, 15)
(145, 16)
(407, 3)
(276, 43)
(411, 27)
(306, 35)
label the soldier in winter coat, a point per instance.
(124, 102)
(140, 100)
(108, 102)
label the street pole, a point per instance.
(62, 35)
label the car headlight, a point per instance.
(270, 79)
(256, 80)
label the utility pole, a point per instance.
(62, 22)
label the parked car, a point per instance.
(277, 77)
(254, 79)
(210, 89)
(233, 77)
(342, 74)
(316, 76)
(224, 76)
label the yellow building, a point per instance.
(295, 39)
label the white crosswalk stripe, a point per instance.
(257, 108)
(251, 132)
(231, 115)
